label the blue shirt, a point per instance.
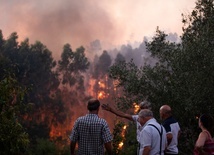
(172, 126)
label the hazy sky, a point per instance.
(79, 22)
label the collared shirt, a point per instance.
(172, 126)
(91, 133)
(149, 136)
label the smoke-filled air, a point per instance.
(114, 23)
(55, 55)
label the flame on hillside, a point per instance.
(102, 95)
(136, 108)
(101, 84)
(96, 88)
(120, 145)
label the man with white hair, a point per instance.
(142, 105)
(153, 135)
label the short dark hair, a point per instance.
(207, 121)
(93, 104)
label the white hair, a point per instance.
(145, 113)
(145, 105)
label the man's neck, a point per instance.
(93, 112)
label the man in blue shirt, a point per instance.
(172, 129)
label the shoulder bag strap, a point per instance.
(160, 133)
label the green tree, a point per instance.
(102, 65)
(13, 137)
(183, 75)
(128, 77)
(45, 147)
(119, 58)
(33, 67)
(100, 70)
(71, 65)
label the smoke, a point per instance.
(79, 22)
(55, 23)
(103, 23)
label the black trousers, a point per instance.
(169, 154)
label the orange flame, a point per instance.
(136, 107)
(102, 85)
(120, 145)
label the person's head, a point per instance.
(165, 112)
(145, 105)
(93, 105)
(144, 116)
(206, 121)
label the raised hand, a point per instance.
(106, 107)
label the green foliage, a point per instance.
(119, 58)
(130, 142)
(128, 77)
(127, 136)
(65, 150)
(102, 66)
(117, 137)
(33, 67)
(13, 138)
(71, 65)
(45, 147)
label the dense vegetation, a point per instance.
(182, 77)
(38, 93)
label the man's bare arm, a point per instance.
(169, 138)
(146, 150)
(108, 147)
(72, 147)
(116, 112)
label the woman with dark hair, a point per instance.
(205, 143)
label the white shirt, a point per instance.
(138, 126)
(149, 136)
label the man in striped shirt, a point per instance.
(91, 133)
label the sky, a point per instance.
(79, 22)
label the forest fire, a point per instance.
(97, 88)
(102, 85)
(136, 107)
(101, 95)
(102, 89)
(120, 145)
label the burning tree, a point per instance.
(103, 85)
